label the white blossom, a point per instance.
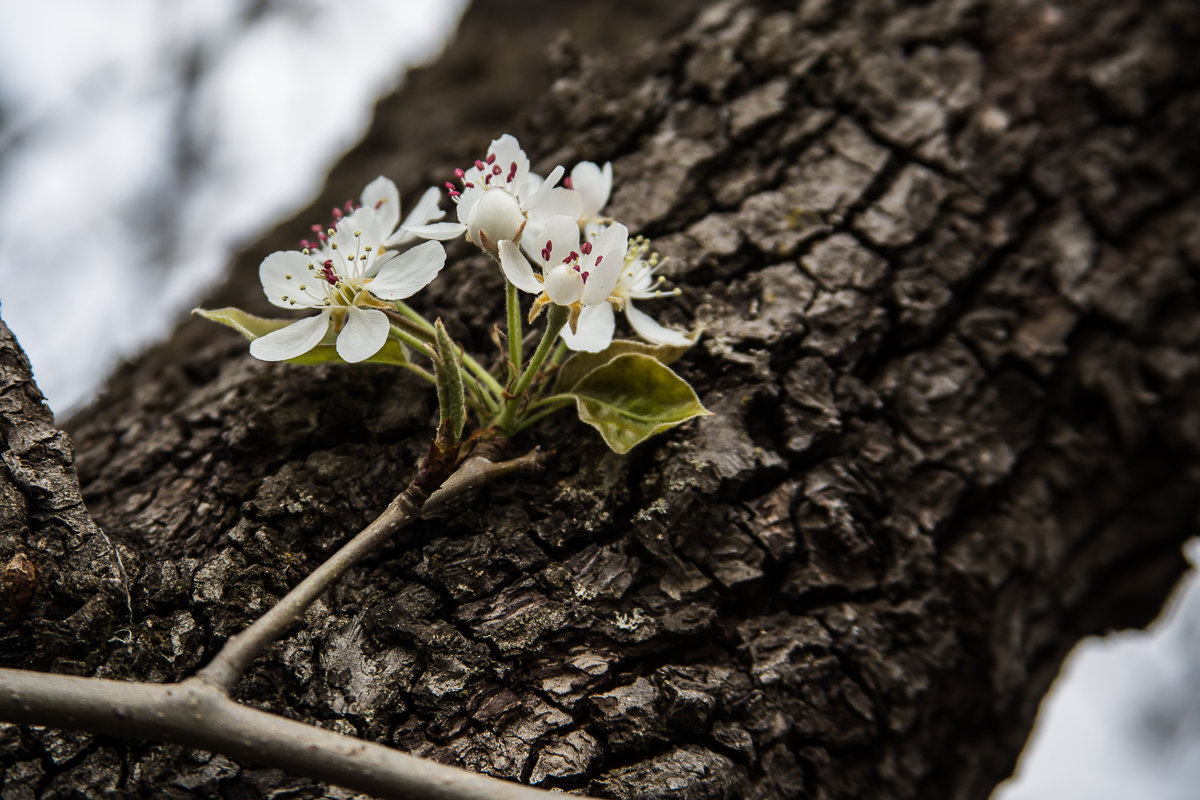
(594, 185)
(636, 281)
(501, 200)
(344, 274)
(573, 273)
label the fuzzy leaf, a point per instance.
(247, 325)
(252, 327)
(448, 367)
(580, 364)
(632, 397)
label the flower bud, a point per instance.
(564, 285)
(496, 216)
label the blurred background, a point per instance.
(161, 137)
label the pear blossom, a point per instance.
(573, 274)
(501, 200)
(345, 274)
(594, 185)
(381, 195)
(636, 281)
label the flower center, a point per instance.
(322, 233)
(486, 174)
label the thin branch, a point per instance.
(196, 714)
(242, 648)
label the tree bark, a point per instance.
(946, 259)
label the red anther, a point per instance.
(598, 260)
(322, 237)
(567, 182)
(571, 256)
(491, 159)
(317, 229)
(468, 185)
(584, 276)
(337, 213)
(449, 185)
(349, 206)
(458, 173)
(512, 172)
(495, 169)
(586, 247)
(546, 251)
(453, 194)
(479, 165)
(304, 243)
(487, 179)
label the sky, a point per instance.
(159, 136)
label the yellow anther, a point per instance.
(358, 233)
(303, 287)
(288, 276)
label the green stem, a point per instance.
(407, 310)
(484, 402)
(408, 339)
(488, 380)
(556, 317)
(513, 303)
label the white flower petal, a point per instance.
(563, 285)
(651, 331)
(365, 332)
(560, 201)
(593, 331)
(425, 212)
(605, 263)
(593, 184)
(558, 239)
(441, 231)
(467, 202)
(382, 196)
(533, 201)
(283, 273)
(516, 268)
(507, 151)
(294, 340)
(406, 274)
(495, 216)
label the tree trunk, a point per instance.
(945, 256)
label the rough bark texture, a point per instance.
(946, 256)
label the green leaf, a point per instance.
(580, 364)
(632, 397)
(392, 352)
(253, 327)
(247, 325)
(448, 368)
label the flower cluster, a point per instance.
(550, 238)
(346, 272)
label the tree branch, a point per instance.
(197, 714)
(242, 648)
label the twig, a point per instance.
(196, 714)
(242, 648)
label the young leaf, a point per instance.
(448, 368)
(247, 325)
(252, 327)
(580, 364)
(632, 397)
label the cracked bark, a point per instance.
(946, 257)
